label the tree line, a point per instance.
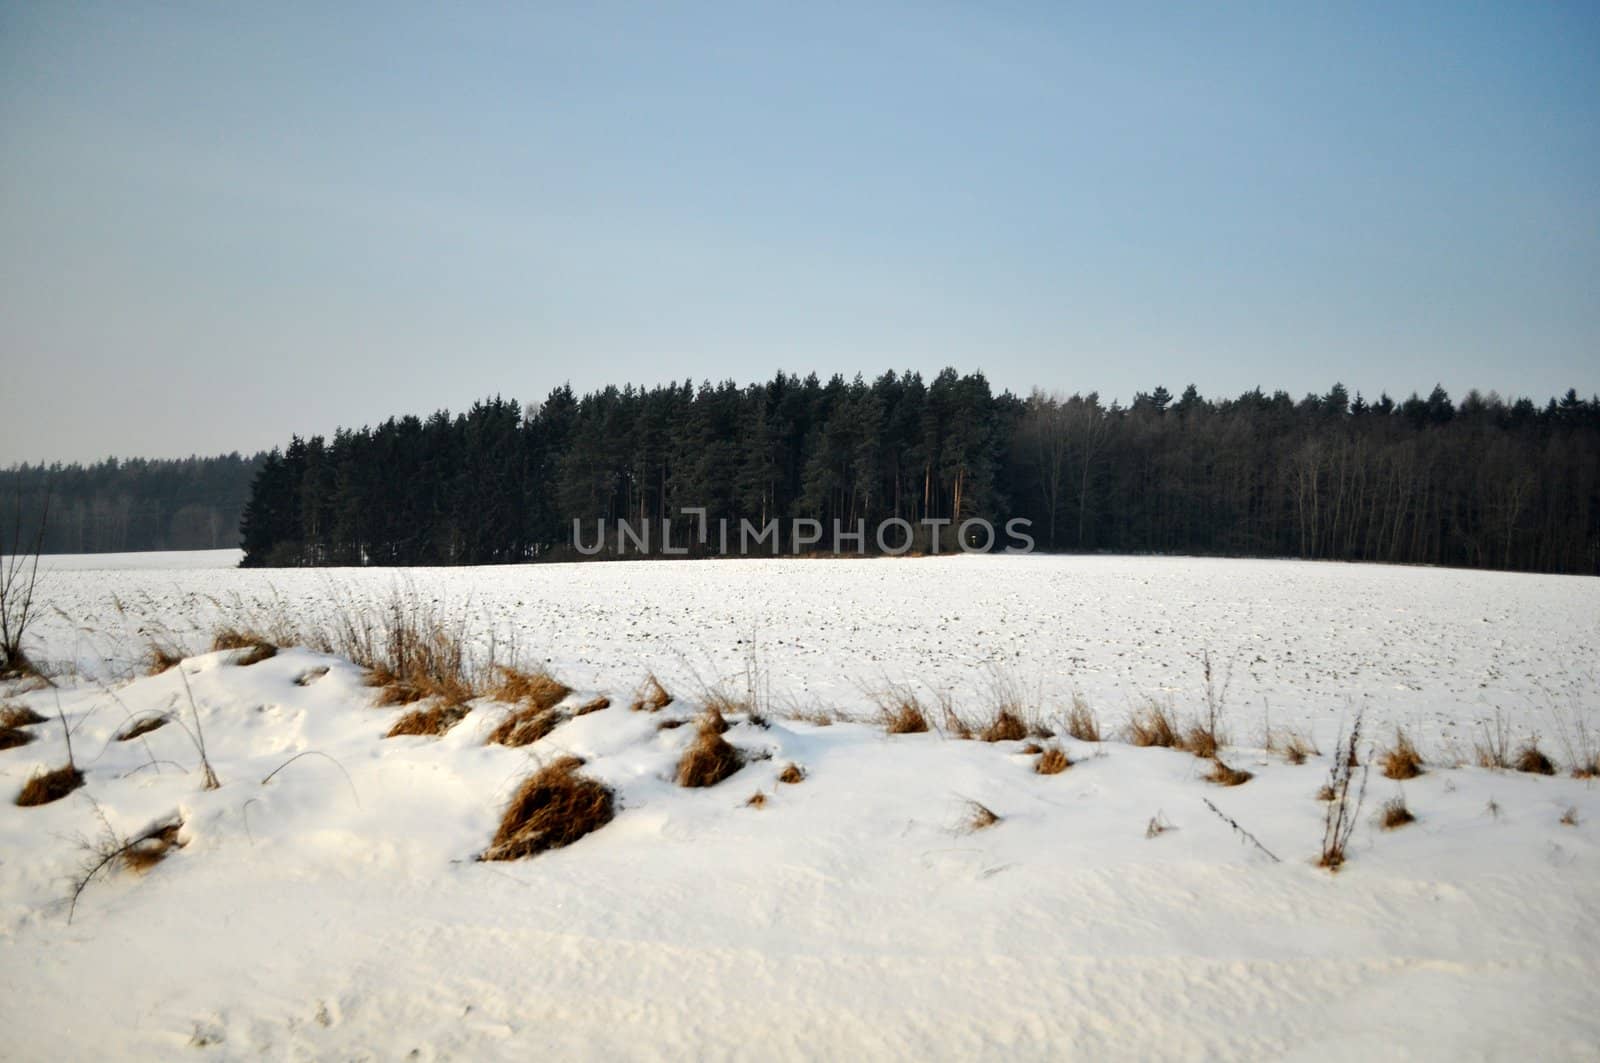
(1480, 483)
(114, 506)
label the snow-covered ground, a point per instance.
(337, 911)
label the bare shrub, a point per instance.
(1152, 725)
(152, 845)
(1082, 723)
(1394, 813)
(792, 773)
(1531, 759)
(19, 582)
(1053, 761)
(430, 720)
(1339, 819)
(652, 696)
(708, 760)
(1223, 775)
(554, 807)
(44, 787)
(137, 854)
(1401, 760)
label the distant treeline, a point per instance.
(1481, 483)
(113, 506)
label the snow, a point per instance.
(337, 910)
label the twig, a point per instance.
(1244, 834)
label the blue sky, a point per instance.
(220, 224)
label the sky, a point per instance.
(221, 224)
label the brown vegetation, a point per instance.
(47, 786)
(1401, 761)
(536, 689)
(1223, 775)
(18, 716)
(554, 807)
(792, 773)
(1053, 761)
(756, 800)
(1531, 759)
(142, 725)
(152, 846)
(525, 726)
(12, 737)
(709, 759)
(652, 697)
(901, 713)
(431, 720)
(1082, 723)
(1005, 726)
(592, 705)
(980, 816)
(159, 658)
(1296, 748)
(1152, 725)
(1395, 813)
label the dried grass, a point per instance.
(554, 807)
(142, 726)
(592, 705)
(1394, 813)
(708, 760)
(537, 689)
(47, 786)
(18, 716)
(151, 847)
(1004, 726)
(1401, 761)
(1569, 818)
(13, 737)
(1531, 759)
(1053, 761)
(756, 800)
(980, 816)
(159, 658)
(1082, 723)
(652, 696)
(1152, 725)
(430, 720)
(525, 726)
(1296, 748)
(901, 713)
(792, 773)
(1223, 775)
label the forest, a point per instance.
(1483, 482)
(114, 506)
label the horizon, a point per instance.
(220, 229)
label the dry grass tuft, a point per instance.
(47, 786)
(1401, 761)
(711, 719)
(432, 720)
(1569, 818)
(1326, 793)
(229, 637)
(537, 689)
(1394, 813)
(756, 800)
(12, 737)
(980, 816)
(902, 714)
(1153, 725)
(1082, 723)
(1296, 748)
(159, 658)
(671, 723)
(1493, 750)
(708, 760)
(1531, 759)
(151, 847)
(525, 726)
(1052, 761)
(142, 726)
(792, 773)
(1005, 726)
(652, 696)
(1223, 775)
(1157, 826)
(592, 705)
(554, 807)
(1200, 740)
(18, 716)
(261, 651)
(1032, 749)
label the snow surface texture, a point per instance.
(337, 911)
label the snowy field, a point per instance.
(337, 909)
